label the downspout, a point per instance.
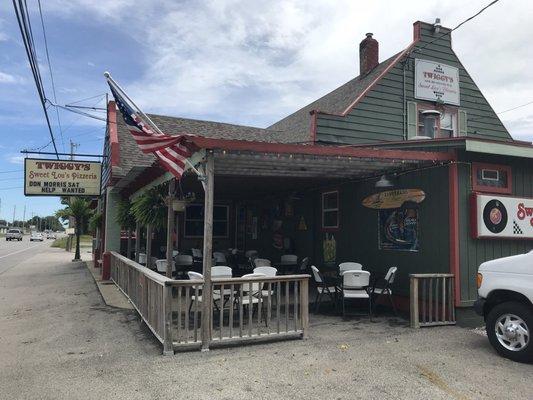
(404, 127)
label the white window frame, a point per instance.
(486, 178)
(185, 220)
(324, 210)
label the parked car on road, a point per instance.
(505, 288)
(36, 236)
(14, 234)
(51, 235)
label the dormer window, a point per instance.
(433, 122)
(448, 124)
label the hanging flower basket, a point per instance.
(179, 205)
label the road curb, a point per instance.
(111, 294)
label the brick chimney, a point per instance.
(368, 54)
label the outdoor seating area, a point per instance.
(351, 283)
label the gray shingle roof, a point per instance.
(131, 156)
(294, 128)
(334, 102)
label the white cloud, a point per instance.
(254, 62)
(16, 160)
(8, 78)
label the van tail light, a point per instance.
(479, 280)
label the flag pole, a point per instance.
(111, 81)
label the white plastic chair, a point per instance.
(355, 286)
(221, 271)
(175, 253)
(142, 258)
(323, 288)
(349, 266)
(219, 257)
(196, 253)
(254, 289)
(261, 262)
(161, 266)
(267, 271)
(195, 276)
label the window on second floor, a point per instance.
(450, 123)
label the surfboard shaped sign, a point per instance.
(393, 198)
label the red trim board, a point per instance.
(453, 192)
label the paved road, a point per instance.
(59, 341)
(12, 253)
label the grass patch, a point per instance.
(61, 243)
(85, 240)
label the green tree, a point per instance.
(80, 211)
(150, 210)
(126, 219)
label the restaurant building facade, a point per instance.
(415, 128)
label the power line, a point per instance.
(11, 188)
(451, 30)
(51, 73)
(514, 108)
(10, 172)
(21, 12)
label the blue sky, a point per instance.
(245, 62)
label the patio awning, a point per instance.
(241, 158)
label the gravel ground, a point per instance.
(59, 341)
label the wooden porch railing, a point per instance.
(432, 300)
(242, 310)
(146, 290)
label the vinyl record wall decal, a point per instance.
(495, 216)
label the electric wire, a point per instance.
(417, 49)
(51, 73)
(29, 45)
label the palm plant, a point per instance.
(78, 208)
(126, 219)
(95, 222)
(150, 210)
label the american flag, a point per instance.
(171, 151)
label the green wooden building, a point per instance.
(416, 120)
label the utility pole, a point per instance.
(14, 211)
(24, 218)
(73, 146)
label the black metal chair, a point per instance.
(323, 287)
(382, 287)
(304, 265)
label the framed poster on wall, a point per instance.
(398, 229)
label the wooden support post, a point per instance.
(128, 249)
(207, 250)
(415, 322)
(168, 346)
(137, 241)
(304, 302)
(170, 227)
(148, 246)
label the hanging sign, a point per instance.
(501, 217)
(44, 177)
(436, 82)
(393, 198)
